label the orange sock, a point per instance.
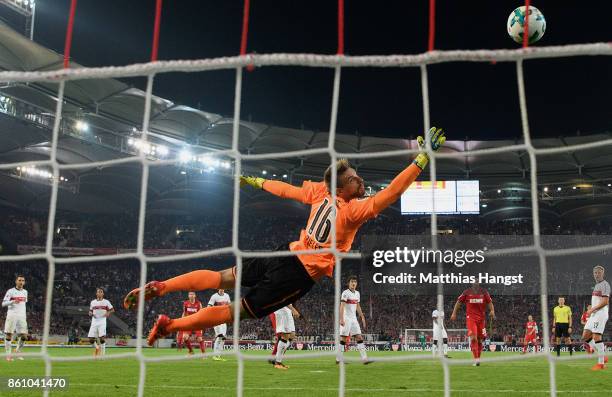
(205, 318)
(197, 280)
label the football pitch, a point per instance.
(317, 376)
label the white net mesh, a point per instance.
(150, 70)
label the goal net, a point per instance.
(337, 63)
(422, 339)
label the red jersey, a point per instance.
(475, 303)
(191, 308)
(531, 328)
(584, 318)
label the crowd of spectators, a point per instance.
(387, 315)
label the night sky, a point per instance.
(470, 100)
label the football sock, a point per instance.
(202, 347)
(558, 349)
(571, 348)
(103, 350)
(197, 280)
(601, 350)
(7, 345)
(445, 349)
(474, 348)
(591, 344)
(342, 349)
(362, 350)
(205, 318)
(282, 347)
(434, 347)
(221, 344)
(275, 348)
(19, 343)
(188, 344)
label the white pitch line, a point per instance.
(377, 390)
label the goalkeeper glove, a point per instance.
(255, 182)
(436, 138)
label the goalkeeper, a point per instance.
(279, 281)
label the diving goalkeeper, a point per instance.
(278, 281)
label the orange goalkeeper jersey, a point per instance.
(350, 215)
(317, 234)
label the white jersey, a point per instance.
(438, 319)
(219, 300)
(99, 308)
(600, 291)
(351, 300)
(15, 299)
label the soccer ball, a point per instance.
(516, 24)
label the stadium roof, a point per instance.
(113, 112)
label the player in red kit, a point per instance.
(531, 334)
(476, 300)
(192, 306)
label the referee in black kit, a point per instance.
(562, 325)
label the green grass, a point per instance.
(308, 377)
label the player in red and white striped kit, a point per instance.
(531, 334)
(349, 326)
(219, 299)
(15, 301)
(598, 316)
(191, 306)
(284, 328)
(99, 310)
(476, 300)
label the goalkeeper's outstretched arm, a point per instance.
(405, 178)
(277, 188)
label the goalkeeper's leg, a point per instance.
(274, 282)
(197, 280)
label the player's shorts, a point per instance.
(439, 333)
(351, 327)
(97, 330)
(597, 322)
(531, 339)
(15, 324)
(284, 322)
(476, 327)
(197, 334)
(274, 282)
(562, 330)
(220, 329)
